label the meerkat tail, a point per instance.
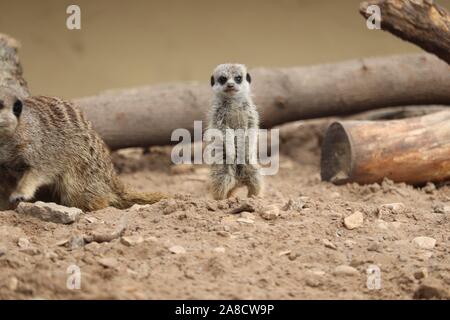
(129, 198)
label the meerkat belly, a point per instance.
(236, 119)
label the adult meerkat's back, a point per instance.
(233, 108)
(47, 142)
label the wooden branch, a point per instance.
(415, 150)
(148, 115)
(422, 22)
(10, 68)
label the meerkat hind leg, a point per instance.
(253, 180)
(223, 182)
(27, 186)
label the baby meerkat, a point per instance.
(233, 109)
(47, 142)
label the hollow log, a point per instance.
(147, 116)
(414, 150)
(423, 23)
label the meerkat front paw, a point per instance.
(16, 197)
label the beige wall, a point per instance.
(137, 42)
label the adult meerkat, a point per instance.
(47, 142)
(233, 108)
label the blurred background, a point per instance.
(138, 42)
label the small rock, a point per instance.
(295, 205)
(93, 219)
(170, 206)
(177, 250)
(421, 274)
(13, 283)
(248, 207)
(108, 262)
(76, 242)
(23, 243)
(62, 242)
(429, 188)
(395, 208)
(441, 208)
(284, 253)
(344, 270)
(224, 234)
(247, 215)
(2, 251)
(245, 220)
(292, 256)
(219, 250)
(328, 244)
(131, 240)
(354, 220)
(313, 282)
(270, 213)
(31, 251)
(424, 242)
(374, 247)
(50, 212)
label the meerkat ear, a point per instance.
(212, 81)
(248, 77)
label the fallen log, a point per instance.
(147, 116)
(423, 23)
(414, 150)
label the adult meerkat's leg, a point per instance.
(252, 178)
(222, 181)
(27, 186)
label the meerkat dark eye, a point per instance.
(212, 81)
(238, 79)
(222, 80)
(1, 104)
(248, 77)
(17, 108)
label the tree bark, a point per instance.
(421, 22)
(147, 116)
(414, 150)
(10, 68)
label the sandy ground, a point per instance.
(192, 247)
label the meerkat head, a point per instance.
(10, 111)
(231, 80)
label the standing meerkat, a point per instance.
(47, 142)
(233, 108)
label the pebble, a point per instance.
(421, 274)
(395, 208)
(245, 220)
(344, 270)
(108, 262)
(50, 212)
(170, 207)
(328, 244)
(2, 251)
(354, 220)
(23, 243)
(270, 213)
(247, 215)
(177, 250)
(424, 242)
(219, 250)
(441, 208)
(13, 283)
(131, 240)
(76, 242)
